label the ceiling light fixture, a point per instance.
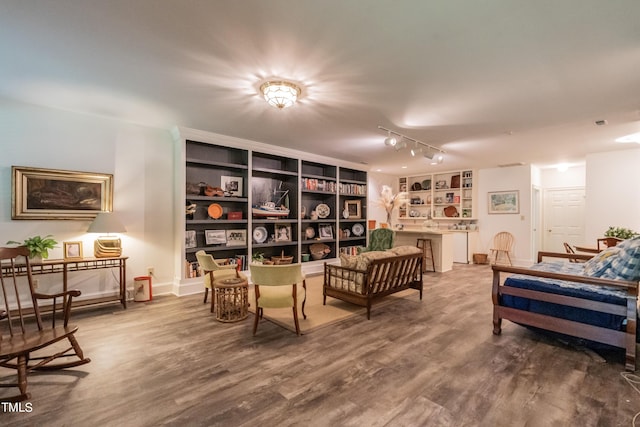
(280, 93)
(627, 139)
(390, 141)
(429, 151)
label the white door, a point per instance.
(563, 218)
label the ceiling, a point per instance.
(491, 82)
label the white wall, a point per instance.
(374, 185)
(613, 192)
(141, 160)
(506, 179)
(575, 176)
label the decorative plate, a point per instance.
(416, 186)
(323, 210)
(357, 229)
(309, 232)
(215, 210)
(450, 211)
(426, 184)
(260, 234)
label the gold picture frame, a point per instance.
(72, 250)
(354, 207)
(59, 194)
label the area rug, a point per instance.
(320, 316)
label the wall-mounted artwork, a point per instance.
(504, 202)
(59, 194)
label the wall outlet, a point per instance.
(150, 271)
(36, 283)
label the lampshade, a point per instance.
(106, 222)
(280, 94)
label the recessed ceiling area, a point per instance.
(490, 83)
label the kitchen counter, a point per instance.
(441, 242)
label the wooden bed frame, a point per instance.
(623, 339)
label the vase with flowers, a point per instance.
(389, 201)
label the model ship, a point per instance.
(275, 209)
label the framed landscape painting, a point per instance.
(59, 194)
(504, 202)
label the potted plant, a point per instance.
(38, 246)
(620, 233)
(257, 258)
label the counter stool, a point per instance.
(427, 254)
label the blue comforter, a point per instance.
(580, 290)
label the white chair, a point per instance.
(276, 286)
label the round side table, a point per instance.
(232, 299)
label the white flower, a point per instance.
(389, 201)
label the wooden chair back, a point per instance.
(569, 249)
(23, 330)
(607, 242)
(502, 244)
(278, 276)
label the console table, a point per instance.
(50, 266)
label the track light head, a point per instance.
(437, 159)
(390, 141)
(428, 154)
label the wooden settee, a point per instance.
(597, 309)
(364, 278)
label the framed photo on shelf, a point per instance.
(354, 208)
(325, 231)
(190, 239)
(236, 237)
(283, 232)
(504, 202)
(215, 237)
(59, 194)
(72, 250)
(232, 185)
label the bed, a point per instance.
(591, 300)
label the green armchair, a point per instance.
(380, 239)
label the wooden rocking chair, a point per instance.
(22, 330)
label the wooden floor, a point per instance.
(429, 363)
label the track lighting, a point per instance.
(417, 147)
(437, 159)
(390, 141)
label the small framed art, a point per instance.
(232, 185)
(215, 237)
(325, 231)
(283, 232)
(354, 208)
(72, 250)
(236, 237)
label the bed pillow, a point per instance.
(596, 266)
(626, 264)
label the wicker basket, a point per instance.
(480, 259)
(282, 259)
(319, 251)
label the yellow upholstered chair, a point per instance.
(212, 269)
(502, 244)
(276, 286)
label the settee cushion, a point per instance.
(406, 250)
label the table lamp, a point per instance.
(107, 246)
